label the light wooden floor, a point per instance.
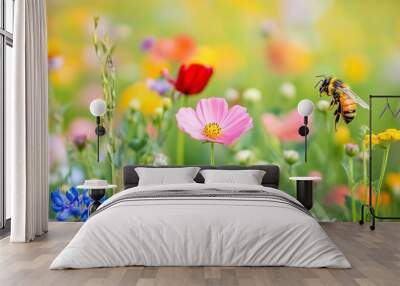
(375, 257)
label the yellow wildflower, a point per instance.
(394, 133)
(374, 139)
(144, 99)
(393, 181)
(388, 135)
(342, 135)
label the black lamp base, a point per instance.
(96, 195)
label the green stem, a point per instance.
(172, 95)
(365, 172)
(381, 177)
(212, 154)
(290, 170)
(351, 183)
(319, 211)
(292, 173)
(86, 164)
(111, 150)
(180, 144)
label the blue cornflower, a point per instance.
(71, 206)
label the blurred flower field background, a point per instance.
(265, 56)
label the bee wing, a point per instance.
(357, 99)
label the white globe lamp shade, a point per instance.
(305, 107)
(98, 107)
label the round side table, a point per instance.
(304, 190)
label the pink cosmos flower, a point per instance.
(285, 127)
(213, 121)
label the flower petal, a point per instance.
(57, 198)
(235, 114)
(235, 124)
(230, 136)
(211, 110)
(189, 122)
(193, 79)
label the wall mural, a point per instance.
(156, 62)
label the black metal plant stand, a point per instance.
(369, 206)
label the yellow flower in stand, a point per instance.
(386, 136)
(389, 135)
(342, 135)
(394, 134)
(374, 139)
(139, 95)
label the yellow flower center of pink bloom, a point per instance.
(212, 130)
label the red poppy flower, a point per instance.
(191, 79)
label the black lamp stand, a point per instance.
(303, 131)
(100, 131)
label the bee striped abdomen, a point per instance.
(349, 108)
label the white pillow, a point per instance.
(248, 177)
(166, 176)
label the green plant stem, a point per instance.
(319, 211)
(365, 172)
(351, 183)
(111, 150)
(180, 144)
(381, 177)
(172, 95)
(104, 51)
(86, 164)
(292, 173)
(212, 154)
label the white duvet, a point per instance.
(200, 231)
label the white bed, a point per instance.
(248, 226)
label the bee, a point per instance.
(342, 96)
